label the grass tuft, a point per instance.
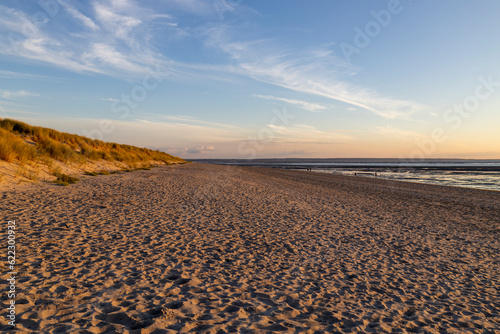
(64, 179)
(13, 148)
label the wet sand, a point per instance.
(220, 249)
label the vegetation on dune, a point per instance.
(32, 147)
(23, 142)
(64, 179)
(13, 148)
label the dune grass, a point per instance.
(64, 179)
(13, 148)
(23, 142)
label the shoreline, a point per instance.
(429, 172)
(202, 248)
(363, 174)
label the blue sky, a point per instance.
(246, 79)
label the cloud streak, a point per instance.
(303, 133)
(316, 72)
(307, 79)
(114, 42)
(12, 95)
(120, 38)
(78, 16)
(309, 106)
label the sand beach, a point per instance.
(202, 248)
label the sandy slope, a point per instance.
(16, 176)
(200, 248)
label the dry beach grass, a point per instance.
(218, 249)
(32, 153)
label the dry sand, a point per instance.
(217, 249)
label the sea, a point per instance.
(479, 174)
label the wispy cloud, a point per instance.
(305, 79)
(191, 120)
(110, 99)
(20, 75)
(316, 72)
(118, 18)
(303, 133)
(185, 129)
(11, 95)
(79, 16)
(301, 104)
(121, 39)
(115, 41)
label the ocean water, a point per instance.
(480, 174)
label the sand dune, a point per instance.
(219, 249)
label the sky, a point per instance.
(259, 79)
